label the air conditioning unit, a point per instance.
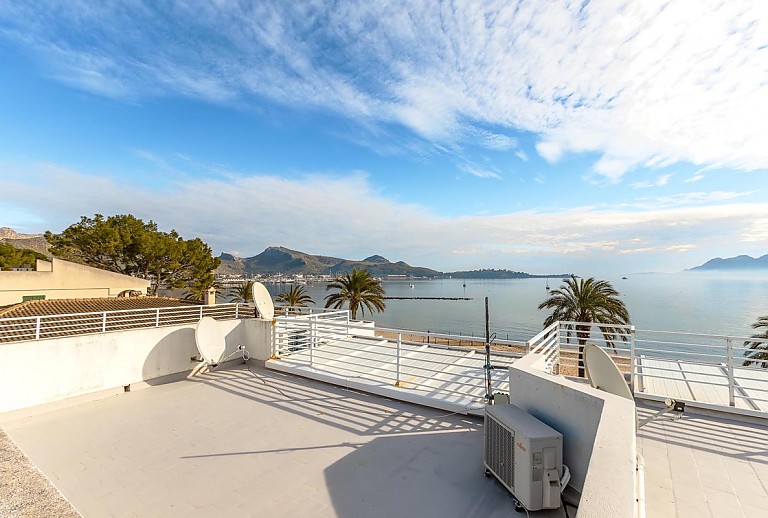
(525, 455)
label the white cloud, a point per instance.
(640, 83)
(480, 172)
(344, 215)
(661, 181)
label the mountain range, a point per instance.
(278, 259)
(34, 242)
(740, 262)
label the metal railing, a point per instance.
(421, 361)
(696, 367)
(307, 328)
(547, 343)
(73, 324)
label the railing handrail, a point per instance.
(22, 329)
(191, 307)
(449, 336)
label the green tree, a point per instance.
(295, 297)
(12, 257)
(588, 301)
(758, 353)
(125, 244)
(359, 290)
(107, 243)
(243, 292)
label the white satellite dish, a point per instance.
(210, 340)
(263, 301)
(603, 374)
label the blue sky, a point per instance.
(595, 137)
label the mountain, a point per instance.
(34, 242)
(277, 259)
(740, 262)
(503, 274)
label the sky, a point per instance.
(548, 137)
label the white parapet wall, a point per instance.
(44, 371)
(599, 441)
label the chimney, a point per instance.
(210, 297)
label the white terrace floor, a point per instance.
(261, 443)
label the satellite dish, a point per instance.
(210, 340)
(263, 301)
(603, 374)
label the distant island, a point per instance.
(278, 259)
(740, 262)
(503, 274)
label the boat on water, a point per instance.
(547, 287)
(624, 278)
(411, 285)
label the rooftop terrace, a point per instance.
(248, 441)
(263, 439)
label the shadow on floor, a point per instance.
(350, 410)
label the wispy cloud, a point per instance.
(638, 83)
(661, 181)
(345, 215)
(480, 172)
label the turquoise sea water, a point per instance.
(725, 304)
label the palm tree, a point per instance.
(590, 301)
(358, 289)
(242, 292)
(759, 350)
(197, 289)
(296, 296)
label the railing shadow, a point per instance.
(741, 440)
(342, 408)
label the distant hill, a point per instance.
(503, 274)
(277, 259)
(35, 242)
(740, 262)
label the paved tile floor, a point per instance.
(234, 444)
(703, 466)
(260, 443)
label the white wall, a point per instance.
(599, 442)
(43, 371)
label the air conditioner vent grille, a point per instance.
(500, 451)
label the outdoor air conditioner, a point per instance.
(525, 455)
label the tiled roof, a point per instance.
(34, 308)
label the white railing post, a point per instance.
(104, 322)
(312, 332)
(632, 358)
(731, 381)
(37, 328)
(157, 317)
(347, 319)
(274, 338)
(237, 310)
(399, 341)
(201, 312)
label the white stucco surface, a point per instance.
(42, 371)
(599, 444)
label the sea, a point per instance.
(707, 303)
